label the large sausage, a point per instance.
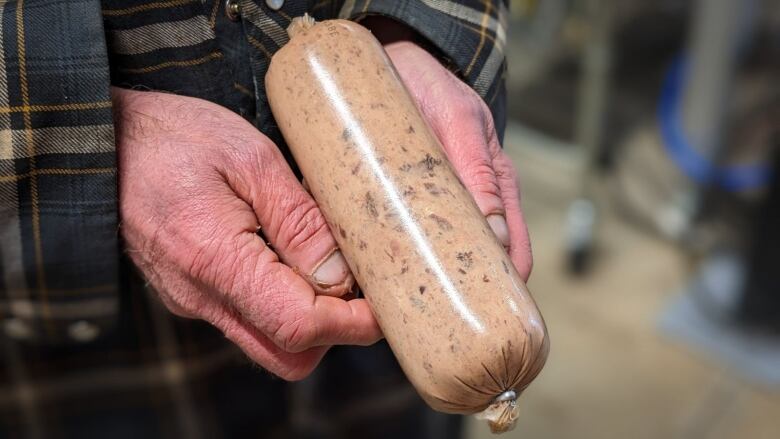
(456, 314)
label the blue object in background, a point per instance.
(733, 178)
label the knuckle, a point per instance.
(216, 260)
(481, 178)
(205, 266)
(302, 224)
(504, 168)
(469, 108)
(294, 334)
(201, 259)
(253, 150)
(246, 157)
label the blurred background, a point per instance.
(646, 134)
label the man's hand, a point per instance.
(464, 125)
(196, 184)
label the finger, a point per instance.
(463, 127)
(260, 349)
(464, 142)
(183, 296)
(466, 148)
(290, 218)
(520, 243)
(216, 246)
(284, 307)
(274, 299)
(193, 298)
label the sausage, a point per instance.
(456, 314)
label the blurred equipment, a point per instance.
(760, 304)
(700, 146)
(672, 111)
(591, 113)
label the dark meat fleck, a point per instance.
(417, 303)
(410, 130)
(406, 167)
(371, 205)
(432, 189)
(342, 232)
(409, 191)
(422, 289)
(346, 135)
(461, 271)
(429, 162)
(485, 278)
(362, 245)
(356, 168)
(441, 222)
(506, 269)
(466, 259)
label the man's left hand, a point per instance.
(463, 123)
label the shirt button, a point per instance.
(274, 4)
(233, 10)
(17, 328)
(83, 331)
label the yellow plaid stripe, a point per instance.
(56, 171)
(55, 107)
(482, 33)
(30, 144)
(169, 64)
(145, 7)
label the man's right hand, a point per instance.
(196, 183)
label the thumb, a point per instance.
(280, 304)
(223, 254)
(289, 217)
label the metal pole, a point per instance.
(712, 56)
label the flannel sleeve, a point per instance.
(58, 205)
(470, 34)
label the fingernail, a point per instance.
(332, 270)
(500, 228)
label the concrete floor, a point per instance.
(610, 373)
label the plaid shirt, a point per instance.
(85, 352)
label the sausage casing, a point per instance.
(458, 317)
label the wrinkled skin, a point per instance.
(197, 182)
(463, 123)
